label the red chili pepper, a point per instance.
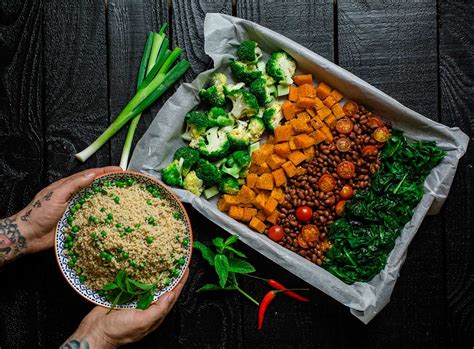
(278, 286)
(264, 305)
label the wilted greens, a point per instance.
(363, 238)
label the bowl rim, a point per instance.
(165, 187)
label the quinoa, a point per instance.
(125, 225)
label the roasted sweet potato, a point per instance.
(303, 79)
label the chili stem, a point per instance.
(247, 295)
(255, 277)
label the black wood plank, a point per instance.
(456, 68)
(393, 46)
(129, 23)
(21, 160)
(76, 112)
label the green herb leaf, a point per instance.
(145, 300)
(142, 286)
(120, 280)
(110, 286)
(238, 253)
(218, 242)
(214, 287)
(206, 252)
(240, 266)
(231, 239)
(129, 286)
(221, 264)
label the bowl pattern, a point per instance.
(70, 273)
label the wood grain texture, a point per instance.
(308, 22)
(129, 23)
(456, 69)
(393, 45)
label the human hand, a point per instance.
(101, 329)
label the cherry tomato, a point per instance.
(381, 134)
(302, 242)
(346, 192)
(374, 122)
(310, 233)
(304, 213)
(350, 108)
(344, 126)
(326, 183)
(346, 169)
(340, 207)
(369, 150)
(275, 233)
(343, 144)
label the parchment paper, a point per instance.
(222, 35)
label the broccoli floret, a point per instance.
(231, 87)
(255, 128)
(208, 172)
(218, 117)
(272, 116)
(197, 123)
(244, 72)
(190, 157)
(281, 67)
(244, 104)
(229, 185)
(193, 183)
(172, 174)
(249, 52)
(235, 163)
(239, 137)
(214, 145)
(242, 157)
(263, 89)
(214, 94)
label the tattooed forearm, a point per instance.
(75, 344)
(12, 242)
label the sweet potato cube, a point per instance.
(327, 133)
(273, 218)
(226, 200)
(246, 195)
(236, 212)
(283, 133)
(303, 141)
(259, 157)
(265, 181)
(261, 215)
(306, 90)
(259, 169)
(329, 101)
(305, 102)
(311, 112)
(261, 200)
(292, 144)
(293, 94)
(279, 177)
(251, 180)
(275, 161)
(338, 111)
(257, 224)
(323, 90)
(309, 153)
(296, 157)
(249, 213)
(324, 113)
(331, 121)
(303, 116)
(299, 109)
(318, 136)
(300, 125)
(282, 149)
(267, 149)
(289, 168)
(318, 104)
(316, 123)
(278, 195)
(303, 79)
(336, 95)
(289, 110)
(270, 206)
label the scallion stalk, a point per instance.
(157, 41)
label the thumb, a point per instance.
(74, 184)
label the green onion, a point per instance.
(146, 55)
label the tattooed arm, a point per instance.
(32, 229)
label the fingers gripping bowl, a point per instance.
(124, 240)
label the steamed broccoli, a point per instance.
(263, 89)
(231, 87)
(236, 162)
(272, 116)
(239, 137)
(214, 94)
(214, 145)
(208, 173)
(281, 67)
(218, 117)
(197, 123)
(244, 72)
(255, 128)
(229, 185)
(172, 174)
(190, 157)
(249, 52)
(193, 183)
(244, 104)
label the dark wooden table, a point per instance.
(68, 67)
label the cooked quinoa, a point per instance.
(125, 225)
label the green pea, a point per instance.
(116, 199)
(151, 220)
(130, 182)
(103, 233)
(119, 249)
(91, 218)
(118, 225)
(78, 271)
(122, 234)
(175, 273)
(167, 282)
(82, 278)
(181, 261)
(137, 225)
(149, 202)
(177, 238)
(150, 189)
(71, 253)
(110, 216)
(73, 210)
(142, 265)
(96, 189)
(70, 219)
(68, 238)
(176, 215)
(185, 242)
(70, 264)
(82, 201)
(125, 255)
(77, 206)
(156, 194)
(102, 209)
(75, 228)
(149, 239)
(132, 264)
(128, 230)
(87, 195)
(162, 259)
(94, 236)
(107, 221)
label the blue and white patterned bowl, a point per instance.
(70, 275)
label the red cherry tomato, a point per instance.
(381, 134)
(326, 183)
(275, 233)
(340, 207)
(304, 213)
(369, 150)
(374, 122)
(302, 242)
(310, 233)
(343, 144)
(344, 126)
(346, 192)
(346, 169)
(350, 108)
